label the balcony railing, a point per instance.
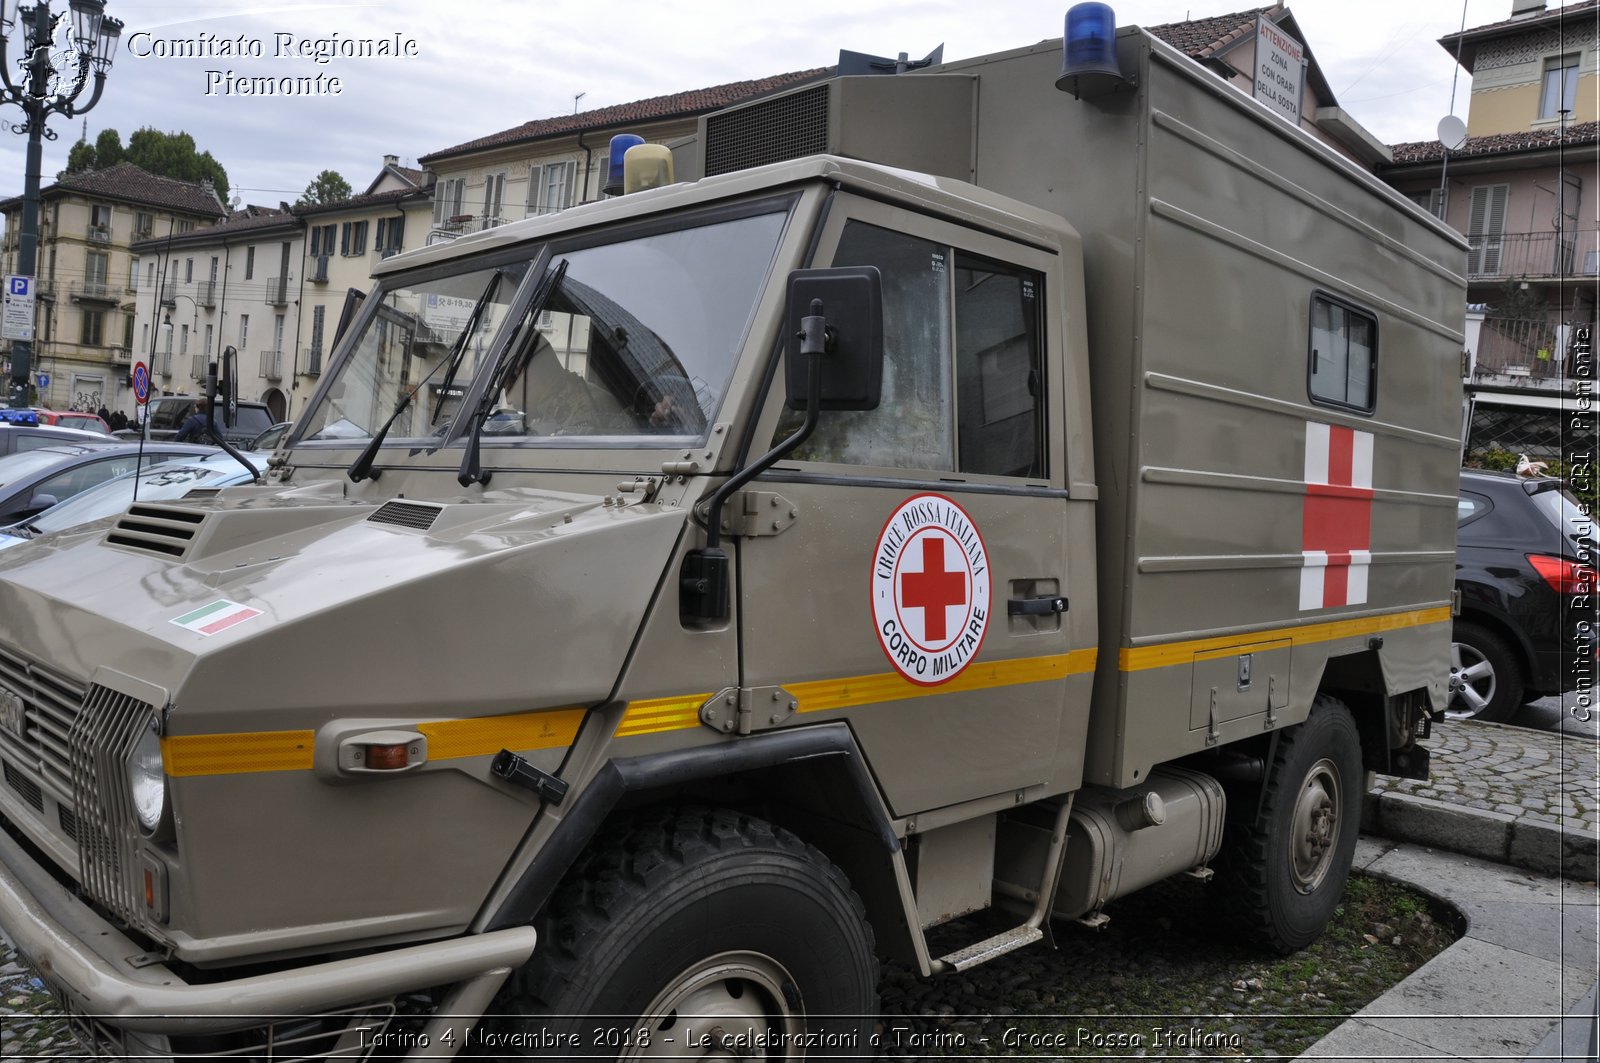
(1534, 256)
(96, 291)
(99, 234)
(205, 294)
(272, 365)
(319, 269)
(314, 361)
(122, 356)
(278, 291)
(1525, 348)
(197, 366)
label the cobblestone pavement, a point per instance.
(1540, 776)
(1515, 796)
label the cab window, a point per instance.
(962, 378)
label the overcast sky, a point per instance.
(480, 66)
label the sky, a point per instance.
(474, 67)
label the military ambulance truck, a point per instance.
(971, 492)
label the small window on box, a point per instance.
(1344, 355)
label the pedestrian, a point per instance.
(196, 428)
(105, 415)
(119, 421)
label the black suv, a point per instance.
(167, 414)
(1525, 556)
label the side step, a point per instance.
(988, 949)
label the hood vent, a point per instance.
(157, 529)
(406, 515)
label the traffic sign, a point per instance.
(44, 381)
(141, 383)
(16, 317)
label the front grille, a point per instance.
(785, 127)
(101, 739)
(169, 530)
(26, 787)
(406, 514)
(50, 703)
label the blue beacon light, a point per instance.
(619, 147)
(1090, 49)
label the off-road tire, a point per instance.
(1482, 660)
(704, 909)
(1281, 873)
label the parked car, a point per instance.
(171, 479)
(270, 439)
(166, 414)
(86, 422)
(35, 480)
(16, 436)
(1520, 548)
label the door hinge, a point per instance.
(756, 513)
(743, 710)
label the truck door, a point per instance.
(906, 568)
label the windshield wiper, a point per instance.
(505, 370)
(362, 468)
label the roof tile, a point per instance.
(1498, 143)
(129, 182)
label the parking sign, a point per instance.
(16, 318)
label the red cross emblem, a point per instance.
(930, 589)
(1336, 529)
(933, 590)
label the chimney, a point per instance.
(394, 160)
(1526, 8)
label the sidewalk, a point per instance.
(1506, 832)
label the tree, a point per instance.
(167, 154)
(326, 187)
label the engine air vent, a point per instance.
(785, 127)
(157, 529)
(406, 515)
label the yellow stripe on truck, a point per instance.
(1139, 658)
(259, 751)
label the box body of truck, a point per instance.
(1142, 554)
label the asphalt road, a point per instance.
(1567, 714)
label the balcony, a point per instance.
(278, 291)
(95, 292)
(319, 269)
(314, 362)
(205, 294)
(272, 365)
(1543, 256)
(121, 356)
(99, 234)
(197, 366)
(169, 294)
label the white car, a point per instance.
(171, 479)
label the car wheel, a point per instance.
(1485, 679)
(1283, 868)
(696, 932)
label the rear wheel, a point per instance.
(1282, 871)
(697, 933)
(1485, 680)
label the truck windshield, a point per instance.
(634, 347)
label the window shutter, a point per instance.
(535, 184)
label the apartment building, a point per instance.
(1524, 187)
(88, 276)
(234, 284)
(547, 165)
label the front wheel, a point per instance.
(697, 934)
(1282, 871)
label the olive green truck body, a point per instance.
(1159, 495)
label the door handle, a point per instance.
(1046, 606)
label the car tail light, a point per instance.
(1566, 577)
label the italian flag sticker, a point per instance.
(218, 616)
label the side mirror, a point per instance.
(852, 366)
(38, 504)
(229, 386)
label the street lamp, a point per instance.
(57, 53)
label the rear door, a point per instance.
(902, 570)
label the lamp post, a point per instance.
(56, 53)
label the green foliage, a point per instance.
(168, 154)
(327, 187)
(1580, 478)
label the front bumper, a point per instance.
(101, 974)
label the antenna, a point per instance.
(575, 100)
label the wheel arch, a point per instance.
(1499, 624)
(812, 781)
(1387, 723)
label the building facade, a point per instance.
(89, 280)
(1524, 188)
(234, 284)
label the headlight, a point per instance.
(147, 783)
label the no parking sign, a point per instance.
(141, 383)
